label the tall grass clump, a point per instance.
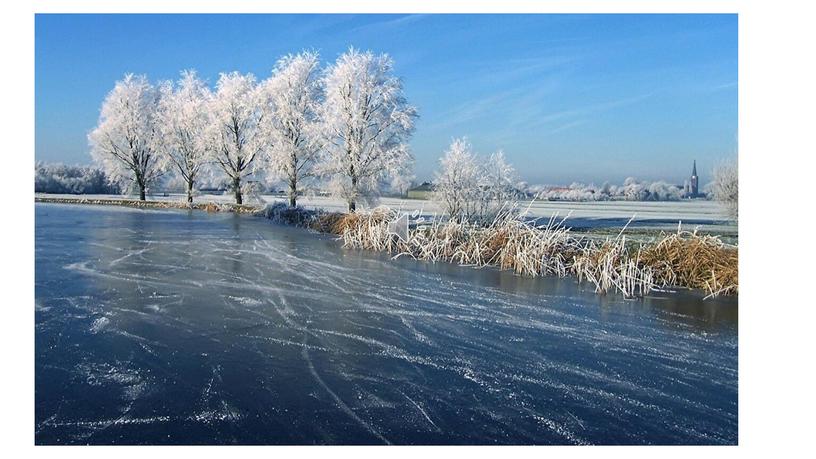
(533, 250)
(369, 230)
(692, 260)
(509, 242)
(610, 266)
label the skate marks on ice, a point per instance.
(225, 329)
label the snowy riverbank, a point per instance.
(705, 215)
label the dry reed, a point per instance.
(610, 266)
(696, 261)
(513, 243)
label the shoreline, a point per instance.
(152, 204)
(660, 265)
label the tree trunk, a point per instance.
(352, 202)
(292, 192)
(236, 185)
(141, 192)
(190, 192)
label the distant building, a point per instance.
(691, 188)
(695, 189)
(422, 191)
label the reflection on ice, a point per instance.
(175, 327)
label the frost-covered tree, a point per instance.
(457, 179)
(183, 120)
(497, 188)
(368, 123)
(726, 186)
(124, 141)
(663, 191)
(473, 189)
(293, 96)
(632, 190)
(235, 135)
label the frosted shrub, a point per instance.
(282, 213)
(726, 186)
(472, 189)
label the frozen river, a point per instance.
(182, 327)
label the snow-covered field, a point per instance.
(707, 215)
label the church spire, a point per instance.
(694, 189)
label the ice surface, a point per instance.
(183, 327)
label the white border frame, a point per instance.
(776, 119)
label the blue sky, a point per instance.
(567, 97)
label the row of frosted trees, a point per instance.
(348, 123)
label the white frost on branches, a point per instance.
(60, 178)
(293, 96)
(726, 186)
(368, 123)
(235, 135)
(473, 189)
(125, 139)
(182, 120)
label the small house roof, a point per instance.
(426, 186)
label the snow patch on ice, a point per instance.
(99, 324)
(561, 430)
(225, 413)
(246, 301)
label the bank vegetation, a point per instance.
(681, 259)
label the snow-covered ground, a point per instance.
(707, 215)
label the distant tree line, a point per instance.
(630, 190)
(60, 178)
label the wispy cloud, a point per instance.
(474, 109)
(389, 23)
(522, 110)
(517, 88)
(533, 119)
(721, 87)
(565, 127)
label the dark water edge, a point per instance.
(176, 327)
